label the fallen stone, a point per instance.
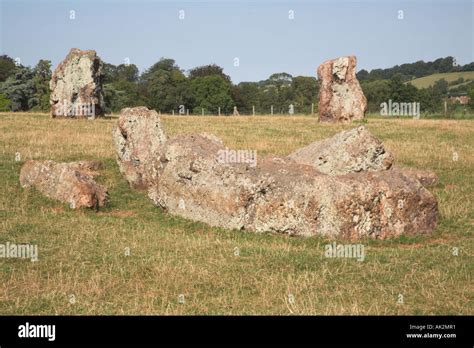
(70, 183)
(76, 86)
(90, 168)
(138, 139)
(351, 151)
(340, 96)
(286, 197)
(426, 177)
(295, 195)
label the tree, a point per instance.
(278, 92)
(305, 92)
(110, 72)
(470, 94)
(249, 93)
(121, 94)
(429, 100)
(210, 93)
(209, 70)
(441, 87)
(362, 75)
(20, 89)
(280, 80)
(7, 67)
(121, 88)
(127, 72)
(268, 97)
(5, 103)
(376, 92)
(166, 85)
(42, 76)
(400, 92)
(122, 72)
(414, 70)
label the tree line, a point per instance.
(167, 88)
(410, 71)
(431, 99)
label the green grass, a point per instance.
(82, 253)
(427, 81)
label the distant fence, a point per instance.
(310, 110)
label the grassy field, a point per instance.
(177, 266)
(426, 81)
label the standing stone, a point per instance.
(340, 96)
(76, 86)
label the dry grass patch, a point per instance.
(175, 266)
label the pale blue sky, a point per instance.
(259, 33)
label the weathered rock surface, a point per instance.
(351, 151)
(280, 194)
(88, 167)
(340, 96)
(71, 182)
(426, 177)
(138, 140)
(76, 86)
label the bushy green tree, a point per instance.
(210, 93)
(127, 72)
(376, 92)
(305, 93)
(470, 94)
(5, 103)
(401, 92)
(110, 73)
(209, 70)
(249, 93)
(7, 67)
(121, 88)
(166, 85)
(280, 80)
(20, 89)
(122, 94)
(42, 76)
(441, 87)
(269, 97)
(277, 91)
(429, 101)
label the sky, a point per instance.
(250, 39)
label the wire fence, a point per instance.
(291, 110)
